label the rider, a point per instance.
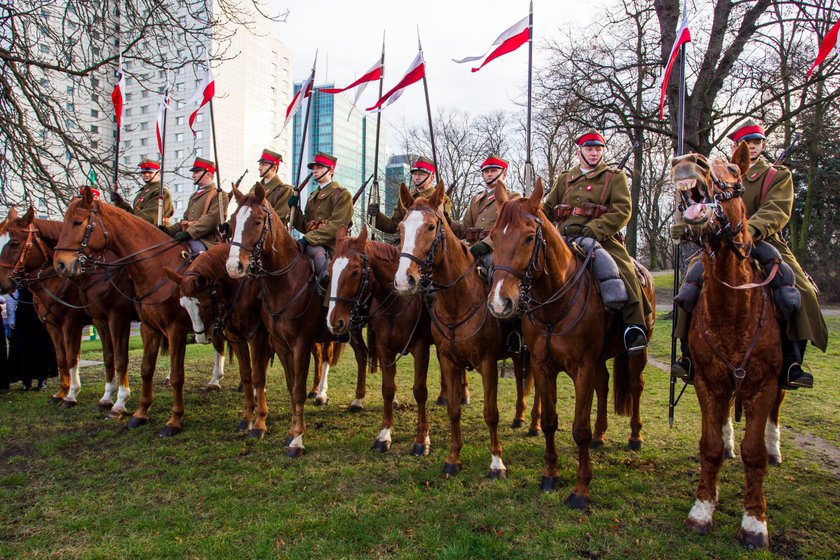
(423, 174)
(145, 204)
(328, 208)
(593, 200)
(768, 199)
(201, 218)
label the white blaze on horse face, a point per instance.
(232, 264)
(338, 268)
(702, 512)
(412, 225)
(772, 440)
(496, 302)
(192, 307)
(728, 437)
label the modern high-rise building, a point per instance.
(397, 171)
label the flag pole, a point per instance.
(677, 246)
(163, 154)
(119, 131)
(374, 195)
(529, 167)
(296, 209)
(428, 107)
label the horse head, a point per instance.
(200, 292)
(711, 191)
(253, 226)
(517, 242)
(422, 238)
(349, 281)
(84, 233)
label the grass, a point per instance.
(74, 485)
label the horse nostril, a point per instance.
(411, 282)
(508, 305)
(341, 324)
(61, 266)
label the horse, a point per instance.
(566, 327)
(92, 227)
(434, 263)
(26, 260)
(291, 308)
(734, 336)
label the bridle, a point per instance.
(526, 279)
(86, 260)
(439, 241)
(255, 263)
(19, 275)
(360, 303)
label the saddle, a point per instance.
(610, 285)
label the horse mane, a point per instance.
(510, 214)
(49, 229)
(383, 251)
(211, 263)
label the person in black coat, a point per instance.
(31, 353)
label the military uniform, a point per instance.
(145, 205)
(391, 225)
(327, 209)
(479, 218)
(202, 213)
(277, 194)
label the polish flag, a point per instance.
(829, 43)
(371, 75)
(161, 119)
(511, 39)
(297, 100)
(415, 73)
(118, 96)
(683, 37)
(203, 94)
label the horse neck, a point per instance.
(382, 272)
(721, 302)
(559, 266)
(279, 247)
(453, 264)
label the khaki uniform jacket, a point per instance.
(145, 204)
(392, 224)
(576, 188)
(277, 194)
(481, 213)
(203, 224)
(332, 203)
(766, 220)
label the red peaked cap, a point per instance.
(94, 192)
(750, 130)
(148, 165)
(424, 164)
(494, 162)
(202, 164)
(270, 157)
(591, 138)
(324, 159)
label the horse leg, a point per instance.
(320, 352)
(177, 349)
(602, 389)
(441, 398)
(120, 329)
(714, 409)
(772, 435)
(57, 338)
(215, 383)
(106, 402)
(454, 387)
(545, 382)
(151, 346)
(72, 344)
(534, 429)
(465, 395)
(254, 389)
(727, 430)
(490, 382)
(584, 379)
(360, 352)
(637, 364)
(298, 397)
(242, 351)
(321, 397)
(753, 533)
(422, 442)
(521, 394)
(389, 389)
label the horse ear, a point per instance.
(437, 198)
(405, 196)
(536, 199)
(87, 197)
(363, 235)
(501, 193)
(741, 157)
(29, 216)
(237, 194)
(172, 275)
(341, 234)
(13, 215)
(259, 192)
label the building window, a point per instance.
(44, 48)
(128, 97)
(179, 86)
(70, 107)
(199, 152)
(94, 97)
(69, 90)
(94, 113)
(177, 187)
(179, 120)
(144, 109)
(145, 94)
(179, 137)
(179, 154)
(199, 134)
(199, 118)
(143, 141)
(144, 126)
(128, 111)
(94, 128)
(94, 82)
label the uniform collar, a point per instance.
(758, 168)
(577, 173)
(203, 190)
(325, 190)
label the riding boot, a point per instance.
(635, 338)
(793, 376)
(321, 261)
(682, 367)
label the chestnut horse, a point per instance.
(566, 327)
(434, 263)
(734, 335)
(90, 228)
(26, 260)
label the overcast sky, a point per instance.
(348, 36)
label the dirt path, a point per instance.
(823, 452)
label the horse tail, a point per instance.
(373, 360)
(164, 346)
(622, 395)
(230, 354)
(337, 347)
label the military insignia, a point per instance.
(141, 199)
(589, 187)
(491, 198)
(753, 176)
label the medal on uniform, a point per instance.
(589, 187)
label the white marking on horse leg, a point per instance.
(218, 372)
(358, 402)
(412, 225)
(75, 384)
(496, 464)
(192, 307)
(496, 302)
(772, 439)
(701, 512)
(297, 442)
(750, 524)
(232, 264)
(728, 438)
(108, 395)
(323, 385)
(338, 268)
(384, 435)
(122, 398)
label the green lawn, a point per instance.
(73, 485)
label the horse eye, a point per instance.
(354, 273)
(430, 227)
(529, 239)
(77, 222)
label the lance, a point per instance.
(428, 107)
(672, 402)
(374, 196)
(296, 209)
(119, 126)
(219, 192)
(362, 188)
(162, 155)
(623, 163)
(529, 167)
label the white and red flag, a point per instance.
(203, 94)
(371, 75)
(683, 37)
(416, 72)
(828, 43)
(304, 92)
(161, 119)
(511, 39)
(118, 96)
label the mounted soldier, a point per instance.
(592, 200)
(423, 181)
(328, 208)
(768, 198)
(145, 204)
(198, 227)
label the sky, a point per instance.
(348, 36)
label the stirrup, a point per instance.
(635, 339)
(513, 343)
(803, 380)
(682, 369)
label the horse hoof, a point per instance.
(495, 474)
(105, 406)
(441, 401)
(450, 469)
(166, 382)
(634, 444)
(596, 444)
(381, 446)
(728, 453)
(68, 404)
(136, 422)
(576, 501)
(241, 388)
(548, 483)
(288, 441)
(774, 460)
(322, 401)
(116, 414)
(517, 424)
(213, 387)
(55, 400)
(700, 527)
(311, 395)
(465, 400)
(354, 408)
(169, 431)
(533, 432)
(244, 425)
(751, 540)
(295, 452)
(419, 450)
(256, 433)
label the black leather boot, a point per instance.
(682, 368)
(635, 338)
(793, 376)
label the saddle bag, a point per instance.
(613, 290)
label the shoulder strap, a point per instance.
(768, 182)
(606, 191)
(209, 201)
